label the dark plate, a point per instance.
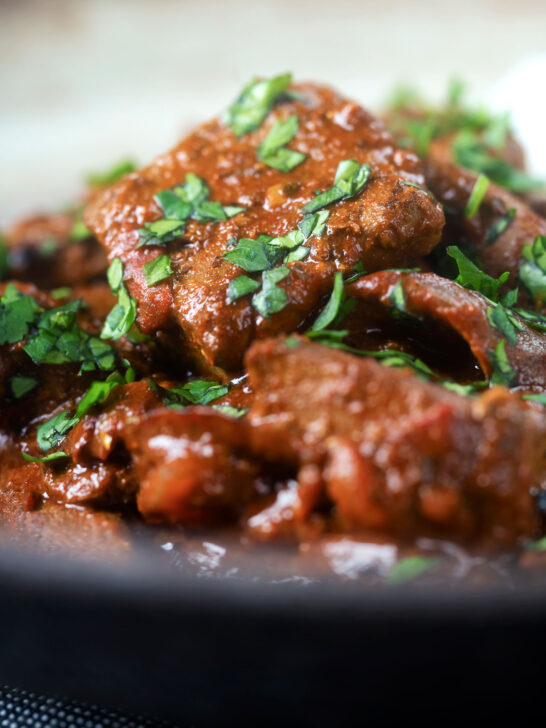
(215, 651)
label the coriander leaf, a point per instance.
(411, 568)
(79, 231)
(271, 298)
(536, 398)
(254, 103)
(504, 321)
(476, 197)
(284, 160)
(290, 241)
(351, 176)
(232, 210)
(157, 269)
(241, 286)
(471, 277)
(539, 545)
(253, 255)
(502, 374)
(160, 231)
(173, 207)
(58, 455)
(498, 228)
(62, 292)
(532, 270)
(194, 189)
(282, 132)
(229, 410)
(17, 312)
(208, 211)
(313, 225)
(97, 393)
(112, 174)
(21, 385)
(50, 433)
(331, 310)
(299, 253)
(123, 315)
(197, 391)
(465, 390)
(532, 318)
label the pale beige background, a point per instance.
(84, 82)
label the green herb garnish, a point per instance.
(273, 152)
(502, 374)
(411, 568)
(504, 321)
(160, 232)
(541, 398)
(229, 410)
(20, 385)
(112, 174)
(122, 316)
(3, 258)
(157, 270)
(532, 270)
(58, 455)
(255, 103)
(271, 298)
(473, 278)
(351, 176)
(498, 228)
(79, 231)
(476, 197)
(241, 286)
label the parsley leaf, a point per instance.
(157, 270)
(330, 314)
(253, 255)
(20, 385)
(254, 103)
(123, 315)
(272, 298)
(196, 391)
(229, 410)
(351, 176)
(17, 312)
(79, 231)
(50, 433)
(160, 231)
(241, 286)
(532, 318)
(503, 374)
(112, 174)
(476, 197)
(504, 321)
(498, 228)
(536, 398)
(473, 278)
(272, 150)
(411, 568)
(532, 270)
(58, 455)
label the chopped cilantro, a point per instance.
(476, 197)
(272, 150)
(253, 256)
(532, 318)
(112, 174)
(330, 314)
(51, 433)
(79, 231)
(17, 313)
(411, 568)
(241, 286)
(535, 398)
(58, 455)
(229, 410)
(62, 292)
(532, 270)
(196, 391)
(473, 278)
(122, 316)
(21, 385)
(157, 269)
(254, 103)
(504, 321)
(502, 374)
(498, 228)
(271, 298)
(351, 176)
(159, 232)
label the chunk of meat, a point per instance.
(398, 454)
(452, 185)
(388, 224)
(41, 250)
(428, 296)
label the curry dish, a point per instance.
(302, 324)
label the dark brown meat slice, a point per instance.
(398, 454)
(41, 250)
(452, 185)
(388, 224)
(438, 299)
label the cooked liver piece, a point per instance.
(388, 224)
(399, 454)
(428, 296)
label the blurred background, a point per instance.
(85, 83)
